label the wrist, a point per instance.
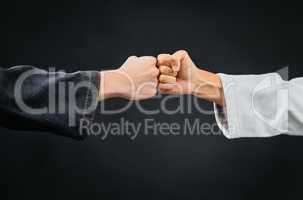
(208, 86)
(113, 84)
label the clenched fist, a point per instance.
(136, 79)
(179, 75)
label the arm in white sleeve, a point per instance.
(260, 106)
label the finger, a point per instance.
(164, 58)
(132, 57)
(150, 59)
(166, 86)
(164, 91)
(167, 79)
(156, 72)
(180, 54)
(168, 60)
(169, 91)
(167, 70)
(170, 88)
(155, 80)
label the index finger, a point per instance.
(168, 60)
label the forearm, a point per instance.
(208, 86)
(46, 101)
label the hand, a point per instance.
(179, 75)
(136, 79)
(177, 72)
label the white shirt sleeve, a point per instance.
(260, 106)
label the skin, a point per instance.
(179, 75)
(140, 77)
(136, 79)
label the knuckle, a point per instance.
(167, 69)
(162, 71)
(156, 71)
(162, 78)
(148, 58)
(160, 56)
(153, 59)
(161, 86)
(156, 81)
(183, 52)
(132, 57)
(162, 67)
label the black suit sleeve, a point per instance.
(37, 100)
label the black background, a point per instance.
(235, 37)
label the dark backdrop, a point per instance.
(240, 37)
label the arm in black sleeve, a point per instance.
(38, 100)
